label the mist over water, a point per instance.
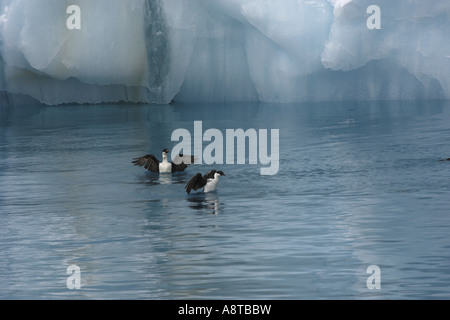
(359, 184)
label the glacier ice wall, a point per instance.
(224, 50)
(108, 59)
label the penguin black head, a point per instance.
(221, 173)
(165, 151)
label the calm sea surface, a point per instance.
(359, 184)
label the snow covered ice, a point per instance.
(153, 51)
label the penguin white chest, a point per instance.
(165, 167)
(211, 185)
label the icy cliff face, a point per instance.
(411, 46)
(225, 50)
(117, 53)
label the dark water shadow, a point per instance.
(206, 202)
(155, 179)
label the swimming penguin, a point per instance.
(151, 163)
(208, 182)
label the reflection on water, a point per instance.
(207, 202)
(359, 184)
(155, 179)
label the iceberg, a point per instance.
(116, 55)
(278, 51)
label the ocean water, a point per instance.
(359, 184)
